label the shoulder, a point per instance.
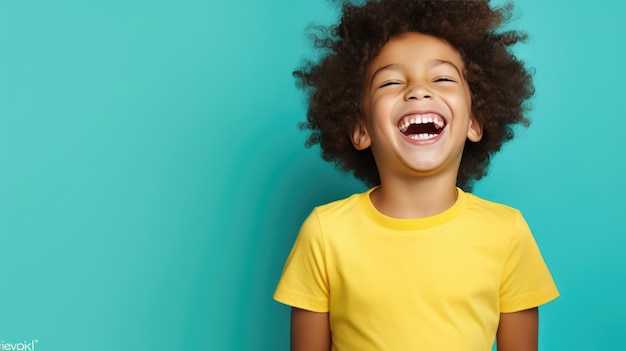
(504, 221)
(340, 208)
(477, 206)
(336, 217)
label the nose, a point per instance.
(418, 92)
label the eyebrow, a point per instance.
(390, 67)
(444, 62)
(435, 63)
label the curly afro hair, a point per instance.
(500, 85)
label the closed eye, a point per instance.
(444, 79)
(386, 84)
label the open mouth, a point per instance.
(422, 126)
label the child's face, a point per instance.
(417, 111)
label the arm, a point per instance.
(518, 331)
(310, 331)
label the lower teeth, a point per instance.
(421, 136)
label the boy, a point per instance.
(414, 97)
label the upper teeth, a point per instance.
(420, 119)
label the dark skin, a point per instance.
(310, 331)
(518, 331)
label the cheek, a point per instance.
(383, 104)
(463, 102)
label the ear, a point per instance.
(475, 130)
(360, 137)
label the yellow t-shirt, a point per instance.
(435, 283)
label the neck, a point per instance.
(414, 198)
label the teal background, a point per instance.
(153, 178)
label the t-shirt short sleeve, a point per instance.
(526, 280)
(304, 282)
